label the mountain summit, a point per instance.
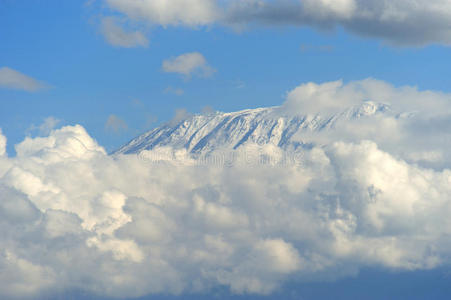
(201, 134)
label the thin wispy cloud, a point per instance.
(306, 48)
(46, 127)
(12, 79)
(115, 124)
(239, 84)
(188, 64)
(117, 36)
(179, 115)
(174, 91)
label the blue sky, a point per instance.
(370, 285)
(119, 68)
(60, 43)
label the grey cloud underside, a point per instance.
(417, 23)
(398, 22)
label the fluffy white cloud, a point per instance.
(12, 79)
(115, 35)
(400, 22)
(73, 217)
(399, 116)
(333, 97)
(188, 64)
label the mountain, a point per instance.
(201, 134)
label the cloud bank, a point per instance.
(74, 218)
(399, 22)
(406, 122)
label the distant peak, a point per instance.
(204, 133)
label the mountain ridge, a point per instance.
(203, 133)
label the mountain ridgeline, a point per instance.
(204, 133)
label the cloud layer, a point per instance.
(399, 22)
(74, 218)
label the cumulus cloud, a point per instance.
(332, 97)
(115, 35)
(74, 218)
(399, 115)
(115, 124)
(12, 79)
(399, 22)
(188, 64)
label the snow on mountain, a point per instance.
(204, 133)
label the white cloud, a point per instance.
(405, 113)
(2, 143)
(115, 124)
(44, 129)
(188, 64)
(311, 98)
(399, 22)
(333, 97)
(163, 12)
(180, 115)
(208, 110)
(73, 217)
(115, 35)
(341, 9)
(12, 79)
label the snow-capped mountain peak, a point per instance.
(203, 133)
